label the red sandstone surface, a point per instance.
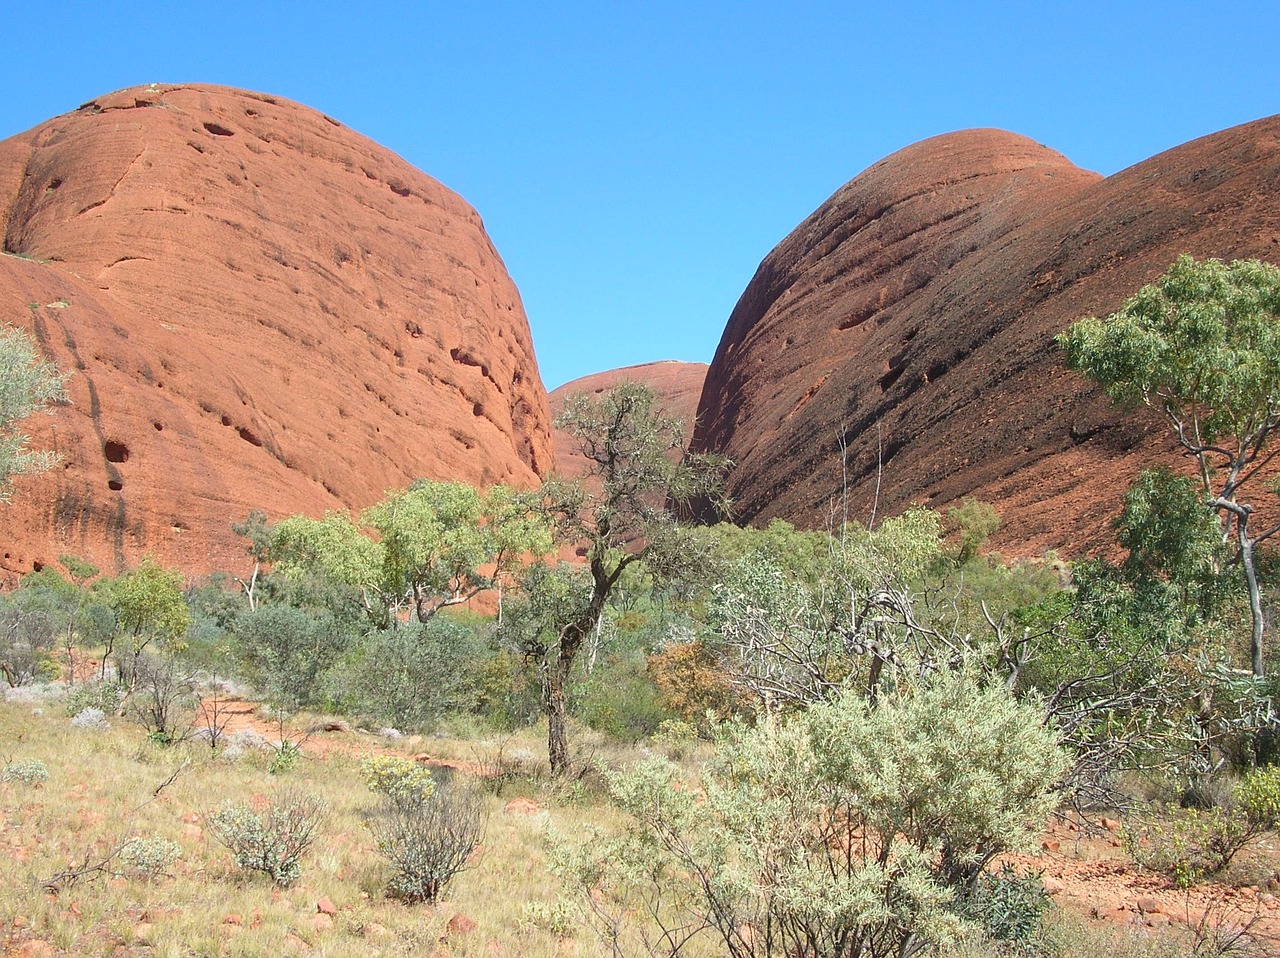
(260, 309)
(910, 320)
(678, 385)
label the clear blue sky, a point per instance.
(634, 161)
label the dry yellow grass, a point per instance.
(97, 795)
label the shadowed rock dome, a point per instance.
(899, 342)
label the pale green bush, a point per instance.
(271, 837)
(428, 836)
(847, 831)
(28, 771)
(149, 857)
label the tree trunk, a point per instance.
(1255, 594)
(557, 730)
(557, 714)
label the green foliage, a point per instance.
(848, 830)
(284, 651)
(398, 778)
(28, 771)
(619, 699)
(103, 696)
(149, 605)
(1257, 797)
(433, 545)
(30, 624)
(411, 676)
(28, 385)
(1009, 908)
(1188, 844)
(1201, 346)
(1173, 542)
(271, 836)
(975, 522)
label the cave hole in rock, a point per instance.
(115, 485)
(477, 409)
(36, 565)
(54, 183)
(249, 437)
(226, 420)
(218, 130)
(115, 451)
(159, 426)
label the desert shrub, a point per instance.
(90, 719)
(29, 630)
(28, 771)
(272, 836)
(620, 700)
(398, 778)
(427, 835)
(103, 696)
(1191, 844)
(163, 699)
(283, 651)
(149, 857)
(1257, 797)
(408, 676)
(849, 830)
(1008, 907)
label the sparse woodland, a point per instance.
(692, 741)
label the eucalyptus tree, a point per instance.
(623, 512)
(1201, 346)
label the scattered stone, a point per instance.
(1148, 905)
(330, 725)
(232, 919)
(143, 932)
(35, 948)
(1156, 920)
(326, 907)
(1051, 845)
(322, 922)
(375, 930)
(1110, 824)
(1052, 886)
(460, 924)
(521, 806)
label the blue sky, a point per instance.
(634, 161)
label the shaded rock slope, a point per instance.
(260, 309)
(905, 331)
(677, 384)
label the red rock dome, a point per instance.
(261, 309)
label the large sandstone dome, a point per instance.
(678, 386)
(260, 309)
(906, 329)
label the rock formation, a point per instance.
(906, 328)
(260, 309)
(678, 385)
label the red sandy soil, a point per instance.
(260, 308)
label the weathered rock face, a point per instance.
(261, 309)
(909, 321)
(678, 385)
